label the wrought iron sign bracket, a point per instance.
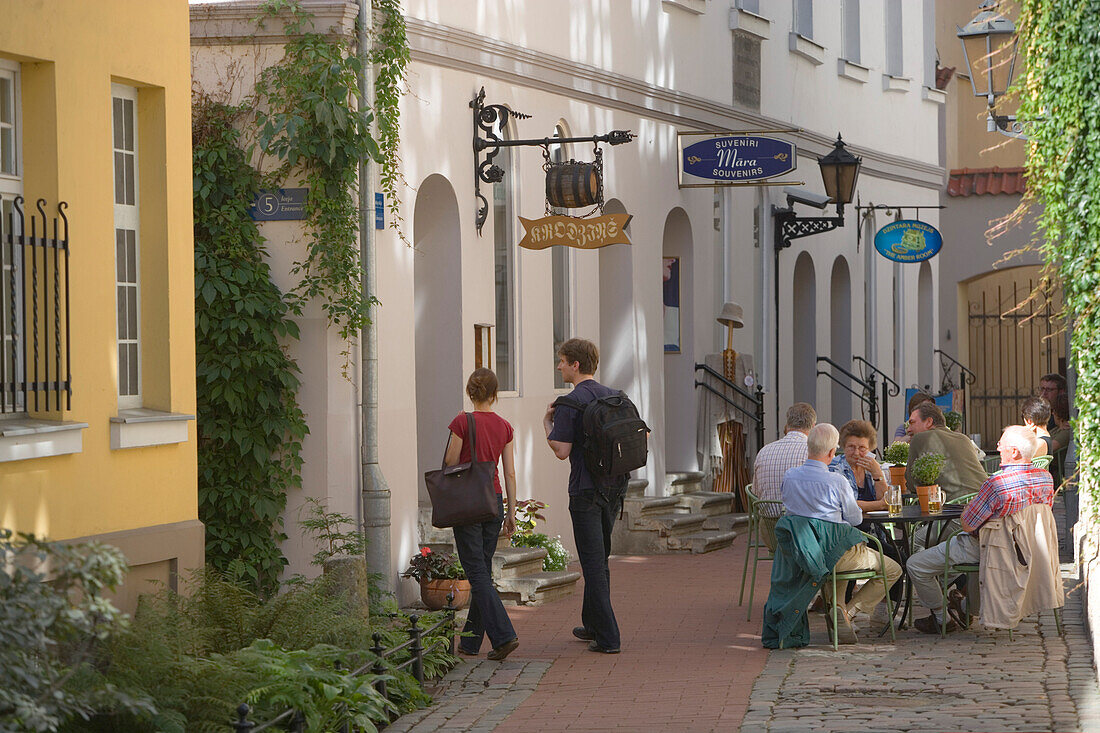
(491, 120)
(789, 225)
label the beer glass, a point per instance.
(935, 500)
(893, 499)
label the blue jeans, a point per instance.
(476, 544)
(592, 525)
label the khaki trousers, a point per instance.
(862, 557)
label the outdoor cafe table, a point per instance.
(910, 515)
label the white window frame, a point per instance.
(11, 185)
(850, 32)
(894, 38)
(127, 217)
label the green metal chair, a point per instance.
(1042, 461)
(755, 543)
(848, 575)
(953, 570)
(963, 499)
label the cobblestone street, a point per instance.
(691, 662)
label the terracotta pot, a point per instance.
(922, 496)
(434, 593)
(897, 477)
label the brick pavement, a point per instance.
(691, 662)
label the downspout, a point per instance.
(375, 493)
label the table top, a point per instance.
(913, 513)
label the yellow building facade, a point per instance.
(97, 377)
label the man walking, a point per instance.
(962, 472)
(813, 491)
(1016, 486)
(593, 520)
(774, 460)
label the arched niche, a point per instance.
(840, 337)
(679, 367)
(804, 316)
(618, 340)
(925, 325)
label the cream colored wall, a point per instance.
(70, 52)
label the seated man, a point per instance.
(812, 491)
(774, 460)
(962, 471)
(1017, 485)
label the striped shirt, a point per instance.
(1011, 489)
(774, 460)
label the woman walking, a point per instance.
(476, 543)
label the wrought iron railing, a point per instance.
(293, 721)
(34, 308)
(756, 400)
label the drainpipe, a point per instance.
(375, 493)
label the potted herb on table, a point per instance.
(897, 455)
(926, 472)
(439, 574)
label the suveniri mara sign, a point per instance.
(736, 159)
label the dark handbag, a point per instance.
(464, 493)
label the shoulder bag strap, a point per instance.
(471, 435)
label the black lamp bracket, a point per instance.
(789, 225)
(491, 119)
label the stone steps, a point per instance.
(685, 520)
(534, 589)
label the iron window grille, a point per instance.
(34, 312)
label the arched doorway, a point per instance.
(804, 348)
(617, 331)
(840, 338)
(925, 326)
(679, 343)
(437, 296)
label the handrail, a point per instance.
(721, 378)
(726, 399)
(943, 355)
(847, 373)
(860, 395)
(868, 395)
(896, 388)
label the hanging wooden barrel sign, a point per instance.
(572, 185)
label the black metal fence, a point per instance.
(34, 308)
(293, 721)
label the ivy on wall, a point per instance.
(303, 113)
(1061, 41)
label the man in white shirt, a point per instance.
(775, 459)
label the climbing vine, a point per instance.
(250, 427)
(1060, 40)
(390, 56)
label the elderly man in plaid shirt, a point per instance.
(774, 460)
(1017, 485)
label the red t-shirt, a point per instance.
(493, 433)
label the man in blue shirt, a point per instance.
(592, 520)
(812, 490)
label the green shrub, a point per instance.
(926, 469)
(897, 453)
(557, 557)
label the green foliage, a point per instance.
(200, 656)
(557, 557)
(53, 616)
(389, 56)
(429, 565)
(250, 427)
(528, 514)
(336, 532)
(1058, 92)
(926, 469)
(896, 453)
(953, 419)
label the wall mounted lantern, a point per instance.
(989, 47)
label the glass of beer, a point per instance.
(935, 500)
(893, 499)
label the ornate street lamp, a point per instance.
(839, 172)
(989, 48)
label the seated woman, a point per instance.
(1036, 413)
(856, 462)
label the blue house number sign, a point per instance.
(739, 158)
(908, 240)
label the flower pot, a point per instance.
(434, 593)
(922, 496)
(897, 477)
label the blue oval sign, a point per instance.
(908, 240)
(739, 159)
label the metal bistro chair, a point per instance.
(845, 576)
(755, 544)
(1042, 461)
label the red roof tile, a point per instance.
(943, 75)
(977, 181)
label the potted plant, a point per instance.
(926, 471)
(439, 574)
(528, 514)
(954, 420)
(897, 455)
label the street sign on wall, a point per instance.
(569, 231)
(736, 159)
(908, 240)
(284, 204)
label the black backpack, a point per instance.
(615, 441)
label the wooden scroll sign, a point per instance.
(592, 233)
